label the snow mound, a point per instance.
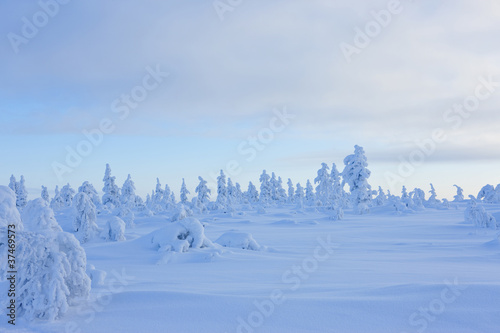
(114, 229)
(180, 236)
(96, 275)
(285, 222)
(39, 217)
(240, 240)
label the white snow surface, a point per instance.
(428, 271)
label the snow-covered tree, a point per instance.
(184, 193)
(405, 198)
(21, 194)
(356, 175)
(252, 194)
(111, 197)
(221, 201)
(67, 194)
(128, 197)
(203, 192)
(90, 190)
(291, 191)
(310, 196)
(381, 198)
(84, 223)
(477, 215)
(418, 199)
(45, 194)
(157, 198)
(37, 216)
(299, 195)
(324, 188)
(433, 201)
(265, 188)
(460, 194)
(13, 183)
(489, 194)
(57, 202)
(231, 192)
(280, 191)
(238, 193)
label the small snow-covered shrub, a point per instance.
(181, 213)
(96, 275)
(114, 229)
(240, 240)
(478, 215)
(180, 236)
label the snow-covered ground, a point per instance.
(424, 272)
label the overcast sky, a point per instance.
(182, 88)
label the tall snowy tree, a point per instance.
(291, 191)
(67, 194)
(460, 194)
(84, 223)
(238, 193)
(324, 188)
(433, 201)
(45, 194)
(265, 188)
(111, 197)
(57, 202)
(157, 198)
(252, 194)
(356, 175)
(310, 196)
(21, 194)
(13, 183)
(231, 192)
(280, 191)
(221, 201)
(202, 191)
(299, 195)
(184, 193)
(90, 190)
(128, 197)
(381, 198)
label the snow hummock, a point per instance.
(180, 236)
(114, 229)
(240, 240)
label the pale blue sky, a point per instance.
(227, 76)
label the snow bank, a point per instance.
(181, 235)
(114, 229)
(240, 240)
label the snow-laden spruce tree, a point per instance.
(273, 186)
(57, 202)
(184, 193)
(433, 200)
(310, 198)
(280, 191)
(168, 202)
(238, 193)
(406, 199)
(477, 215)
(418, 198)
(252, 195)
(291, 191)
(67, 194)
(265, 189)
(489, 194)
(158, 198)
(203, 194)
(21, 194)
(231, 192)
(114, 230)
(128, 197)
(221, 201)
(13, 183)
(37, 216)
(111, 197)
(45, 194)
(325, 185)
(299, 196)
(460, 194)
(356, 175)
(84, 223)
(90, 190)
(381, 198)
